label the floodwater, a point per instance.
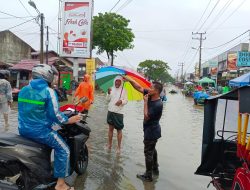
(178, 149)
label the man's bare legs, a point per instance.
(110, 136)
(6, 121)
(61, 185)
(119, 140)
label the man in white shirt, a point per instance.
(117, 97)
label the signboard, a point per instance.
(243, 59)
(213, 62)
(213, 71)
(76, 28)
(231, 61)
(222, 66)
(90, 69)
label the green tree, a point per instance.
(156, 70)
(111, 34)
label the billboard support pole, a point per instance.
(75, 68)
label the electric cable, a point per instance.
(124, 5)
(114, 5)
(209, 15)
(197, 24)
(23, 18)
(192, 60)
(227, 17)
(220, 13)
(24, 7)
(226, 48)
(187, 49)
(228, 41)
(21, 24)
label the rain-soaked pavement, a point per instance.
(178, 149)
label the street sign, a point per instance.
(243, 59)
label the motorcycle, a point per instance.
(27, 165)
(61, 94)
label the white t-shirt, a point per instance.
(115, 95)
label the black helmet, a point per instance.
(44, 71)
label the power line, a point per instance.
(126, 60)
(187, 49)
(225, 49)
(52, 29)
(14, 15)
(24, 7)
(20, 24)
(209, 14)
(115, 5)
(220, 13)
(228, 41)
(229, 16)
(15, 18)
(203, 14)
(191, 60)
(124, 5)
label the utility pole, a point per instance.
(47, 46)
(177, 75)
(182, 65)
(32, 4)
(41, 38)
(200, 47)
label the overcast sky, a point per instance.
(163, 28)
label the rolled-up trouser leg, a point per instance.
(149, 148)
(62, 155)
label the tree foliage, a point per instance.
(111, 34)
(156, 70)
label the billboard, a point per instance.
(231, 61)
(213, 62)
(76, 28)
(243, 59)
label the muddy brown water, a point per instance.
(178, 149)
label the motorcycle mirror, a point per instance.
(81, 100)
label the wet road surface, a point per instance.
(178, 149)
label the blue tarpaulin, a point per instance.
(243, 80)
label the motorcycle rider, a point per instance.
(38, 110)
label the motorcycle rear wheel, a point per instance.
(82, 162)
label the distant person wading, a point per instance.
(5, 97)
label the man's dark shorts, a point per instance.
(115, 119)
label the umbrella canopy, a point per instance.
(243, 80)
(206, 80)
(105, 79)
(189, 83)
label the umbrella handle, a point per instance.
(121, 90)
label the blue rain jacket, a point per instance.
(38, 109)
(199, 94)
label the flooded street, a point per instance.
(178, 149)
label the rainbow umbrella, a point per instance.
(105, 80)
